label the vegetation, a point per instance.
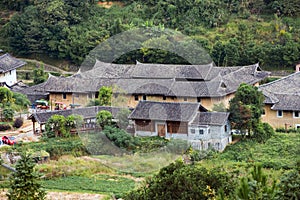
(104, 118)
(105, 95)
(39, 75)
(24, 183)
(233, 32)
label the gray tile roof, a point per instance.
(165, 111)
(157, 79)
(7, 63)
(86, 113)
(210, 118)
(283, 93)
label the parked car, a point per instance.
(8, 140)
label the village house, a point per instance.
(207, 84)
(187, 121)
(282, 102)
(8, 69)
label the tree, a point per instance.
(21, 100)
(56, 126)
(122, 118)
(6, 96)
(256, 187)
(73, 121)
(24, 183)
(105, 96)
(246, 107)
(104, 118)
(39, 75)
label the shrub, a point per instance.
(8, 114)
(290, 185)
(5, 127)
(18, 122)
(120, 137)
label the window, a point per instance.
(192, 131)
(225, 128)
(136, 97)
(64, 95)
(9, 72)
(164, 98)
(298, 126)
(198, 99)
(279, 113)
(185, 99)
(201, 131)
(296, 114)
(263, 112)
(144, 97)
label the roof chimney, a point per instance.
(298, 67)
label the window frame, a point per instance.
(279, 111)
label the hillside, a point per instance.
(233, 32)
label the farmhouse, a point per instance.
(8, 69)
(188, 121)
(282, 102)
(207, 84)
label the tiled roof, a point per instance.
(158, 79)
(86, 113)
(7, 63)
(210, 118)
(165, 111)
(283, 93)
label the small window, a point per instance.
(64, 95)
(198, 99)
(296, 114)
(144, 97)
(298, 126)
(225, 128)
(263, 112)
(9, 72)
(192, 130)
(201, 131)
(185, 99)
(279, 113)
(136, 97)
(164, 98)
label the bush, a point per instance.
(290, 185)
(8, 114)
(120, 137)
(5, 127)
(181, 181)
(18, 122)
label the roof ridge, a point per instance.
(278, 80)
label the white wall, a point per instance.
(9, 77)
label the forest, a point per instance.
(234, 32)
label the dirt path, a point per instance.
(65, 196)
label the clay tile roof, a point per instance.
(165, 111)
(7, 63)
(210, 118)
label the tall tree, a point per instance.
(24, 183)
(246, 107)
(105, 96)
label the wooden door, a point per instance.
(161, 130)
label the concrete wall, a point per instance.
(287, 120)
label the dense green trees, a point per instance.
(105, 96)
(234, 32)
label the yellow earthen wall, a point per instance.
(279, 122)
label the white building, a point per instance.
(8, 69)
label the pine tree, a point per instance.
(24, 183)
